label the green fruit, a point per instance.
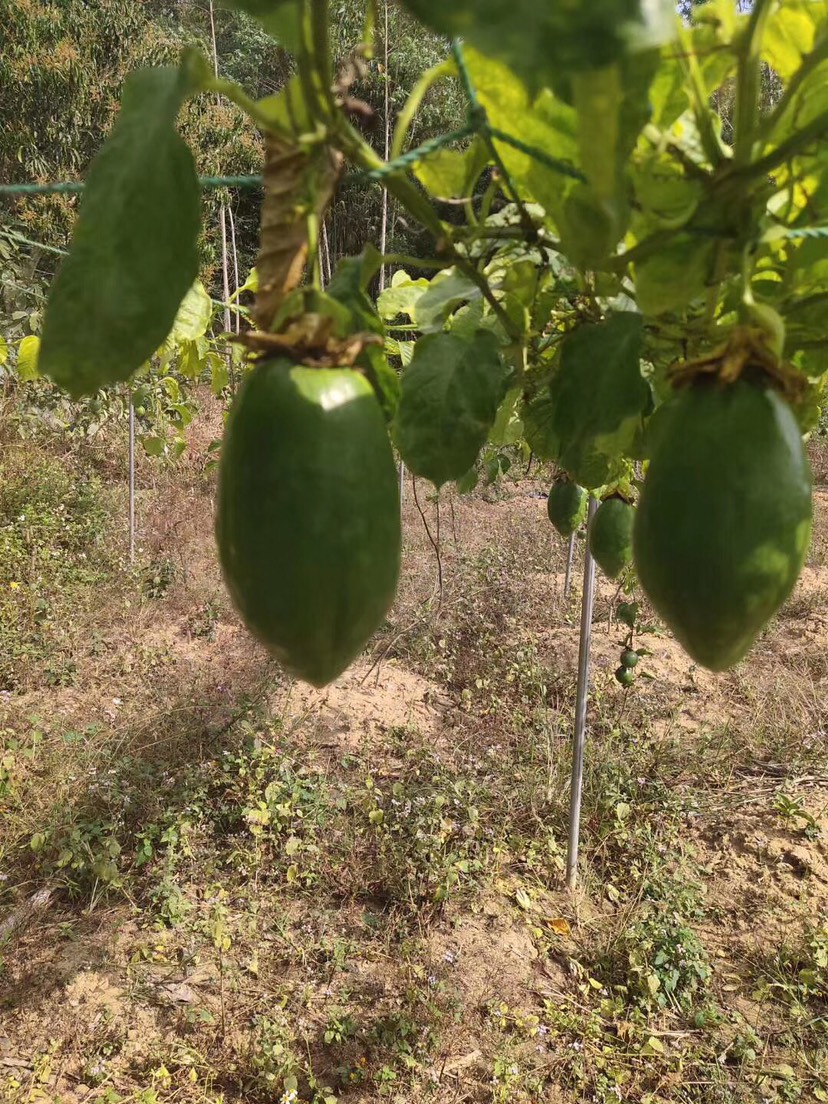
(625, 676)
(629, 658)
(566, 506)
(610, 536)
(308, 519)
(723, 526)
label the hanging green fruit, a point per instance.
(629, 658)
(610, 536)
(566, 506)
(724, 521)
(625, 676)
(308, 520)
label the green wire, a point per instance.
(74, 187)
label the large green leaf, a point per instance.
(542, 40)
(28, 358)
(452, 174)
(349, 287)
(449, 401)
(675, 273)
(448, 289)
(790, 35)
(134, 251)
(402, 296)
(545, 123)
(507, 428)
(590, 414)
(193, 316)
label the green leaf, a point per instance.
(466, 483)
(452, 174)
(447, 290)
(219, 375)
(28, 356)
(449, 400)
(153, 446)
(508, 427)
(287, 111)
(491, 470)
(664, 193)
(675, 274)
(193, 316)
(282, 19)
(542, 41)
(596, 399)
(402, 349)
(349, 287)
(193, 358)
(627, 613)
(790, 35)
(134, 251)
(544, 123)
(383, 379)
(589, 227)
(402, 296)
(4, 351)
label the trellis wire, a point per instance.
(579, 735)
(477, 125)
(75, 187)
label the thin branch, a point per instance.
(435, 544)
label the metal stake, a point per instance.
(579, 737)
(131, 480)
(570, 560)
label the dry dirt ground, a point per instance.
(219, 885)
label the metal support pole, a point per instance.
(131, 480)
(579, 737)
(402, 482)
(570, 560)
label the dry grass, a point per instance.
(358, 892)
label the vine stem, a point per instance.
(360, 152)
(701, 109)
(236, 94)
(787, 150)
(353, 145)
(748, 82)
(413, 103)
(313, 61)
(477, 116)
(404, 260)
(435, 544)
